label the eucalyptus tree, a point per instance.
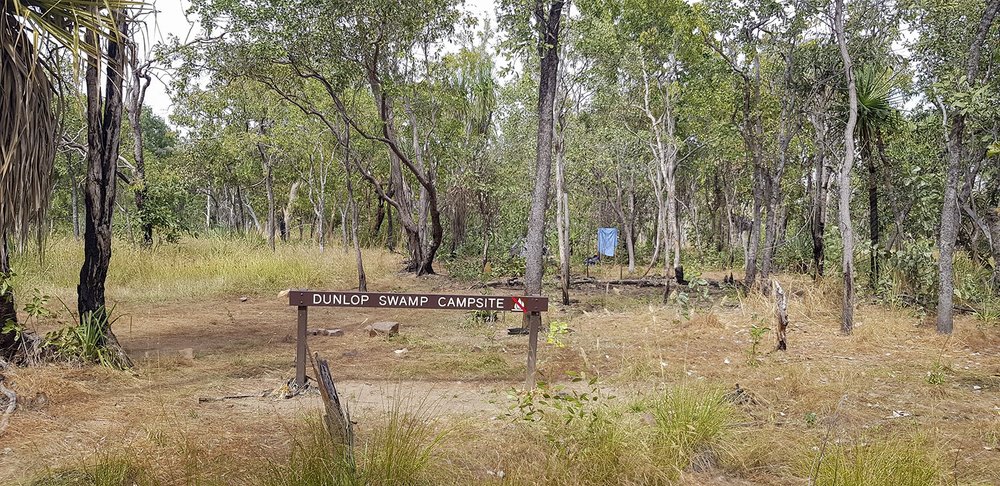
(334, 48)
(542, 24)
(952, 63)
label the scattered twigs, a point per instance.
(781, 300)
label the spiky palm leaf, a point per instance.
(876, 95)
(28, 126)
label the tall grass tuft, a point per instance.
(399, 449)
(688, 422)
(110, 469)
(877, 462)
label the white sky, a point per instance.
(170, 20)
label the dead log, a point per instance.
(781, 300)
(337, 417)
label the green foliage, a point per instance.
(912, 271)
(87, 340)
(937, 375)
(557, 329)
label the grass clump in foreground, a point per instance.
(586, 437)
(118, 469)
(398, 450)
(877, 462)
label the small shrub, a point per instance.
(936, 375)
(757, 333)
(87, 340)
(557, 329)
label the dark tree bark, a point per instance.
(949, 207)
(874, 226)
(821, 186)
(548, 25)
(104, 120)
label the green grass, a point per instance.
(196, 268)
(591, 438)
(399, 448)
(878, 462)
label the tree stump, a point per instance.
(781, 300)
(337, 417)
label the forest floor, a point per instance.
(895, 378)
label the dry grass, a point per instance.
(867, 400)
(199, 268)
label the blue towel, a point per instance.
(607, 241)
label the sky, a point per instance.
(170, 20)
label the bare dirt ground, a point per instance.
(894, 374)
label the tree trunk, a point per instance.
(293, 194)
(548, 49)
(562, 208)
(362, 278)
(949, 207)
(74, 195)
(104, 116)
(817, 225)
(136, 96)
(266, 166)
(874, 228)
(844, 212)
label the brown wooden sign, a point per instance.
(418, 301)
(531, 307)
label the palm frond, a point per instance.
(876, 94)
(28, 125)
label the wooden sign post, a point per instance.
(532, 307)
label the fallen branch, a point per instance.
(228, 397)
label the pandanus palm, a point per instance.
(28, 124)
(876, 90)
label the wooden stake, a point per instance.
(300, 347)
(534, 322)
(337, 417)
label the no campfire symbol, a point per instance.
(518, 305)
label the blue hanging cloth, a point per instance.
(607, 241)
